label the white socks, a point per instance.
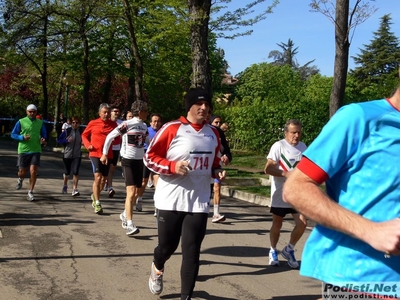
(216, 209)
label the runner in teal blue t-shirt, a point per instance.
(358, 237)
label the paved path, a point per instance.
(57, 248)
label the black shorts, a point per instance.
(146, 171)
(25, 160)
(98, 167)
(133, 171)
(115, 158)
(72, 164)
(283, 211)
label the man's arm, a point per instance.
(86, 136)
(109, 139)
(272, 168)
(225, 146)
(305, 195)
(16, 132)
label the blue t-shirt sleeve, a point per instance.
(338, 140)
(16, 132)
(43, 131)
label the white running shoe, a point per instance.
(19, 184)
(123, 219)
(156, 280)
(139, 206)
(273, 258)
(288, 254)
(30, 196)
(218, 218)
(132, 230)
(150, 184)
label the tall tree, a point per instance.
(287, 57)
(136, 64)
(27, 32)
(230, 21)
(199, 16)
(377, 64)
(345, 21)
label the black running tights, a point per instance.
(192, 227)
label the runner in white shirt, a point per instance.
(134, 135)
(186, 153)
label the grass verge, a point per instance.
(246, 159)
(232, 172)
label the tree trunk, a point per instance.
(342, 47)
(45, 112)
(199, 11)
(138, 69)
(107, 87)
(131, 87)
(86, 88)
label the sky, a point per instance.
(311, 32)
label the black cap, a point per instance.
(195, 95)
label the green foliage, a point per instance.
(376, 72)
(268, 81)
(240, 173)
(230, 24)
(269, 95)
(247, 159)
(287, 57)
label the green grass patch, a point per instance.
(240, 173)
(248, 160)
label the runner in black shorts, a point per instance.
(134, 135)
(283, 157)
(31, 135)
(99, 167)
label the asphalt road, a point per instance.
(57, 248)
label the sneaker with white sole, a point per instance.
(218, 218)
(75, 193)
(139, 206)
(131, 230)
(150, 184)
(97, 207)
(288, 254)
(64, 189)
(19, 184)
(122, 217)
(273, 258)
(30, 196)
(156, 280)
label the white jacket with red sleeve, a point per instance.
(181, 140)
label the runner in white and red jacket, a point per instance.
(186, 154)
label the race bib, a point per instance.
(200, 162)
